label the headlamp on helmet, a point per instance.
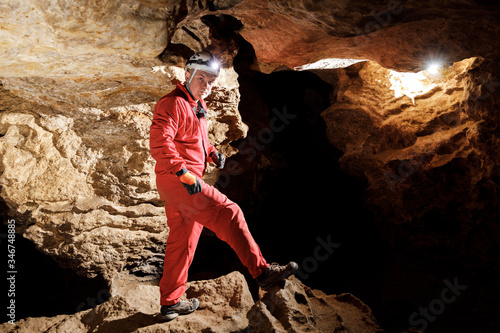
(204, 61)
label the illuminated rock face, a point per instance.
(77, 171)
(427, 157)
(78, 87)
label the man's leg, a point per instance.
(181, 245)
(229, 224)
(215, 211)
(219, 214)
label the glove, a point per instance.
(219, 159)
(190, 183)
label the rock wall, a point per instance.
(79, 83)
(429, 159)
(76, 167)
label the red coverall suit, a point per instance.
(178, 139)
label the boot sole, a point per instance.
(172, 315)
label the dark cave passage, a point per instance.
(42, 287)
(299, 205)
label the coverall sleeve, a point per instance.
(210, 149)
(166, 120)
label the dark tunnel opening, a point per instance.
(299, 205)
(42, 288)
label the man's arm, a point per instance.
(166, 120)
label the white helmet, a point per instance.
(204, 61)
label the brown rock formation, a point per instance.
(76, 164)
(224, 304)
(294, 307)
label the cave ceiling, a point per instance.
(44, 38)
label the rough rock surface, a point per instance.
(76, 168)
(294, 307)
(225, 306)
(46, 38)
(401, 142)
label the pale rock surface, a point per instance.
(226, 305)
(40, 38)
(76, 169)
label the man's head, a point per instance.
(201, 71)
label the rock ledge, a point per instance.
(226, 306)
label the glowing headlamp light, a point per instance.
(433, 68)
(215, 65)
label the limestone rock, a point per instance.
(428, 157)
(42, 38)
(226, 305)
(134, 307)
(294, 307)
(76, 169)
(78, 87)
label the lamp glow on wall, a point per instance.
(415, 84)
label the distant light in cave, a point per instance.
(329, 63)
(411, 84)
(433, 68)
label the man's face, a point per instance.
(202, 83)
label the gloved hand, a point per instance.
(190, 183)
(219, 159)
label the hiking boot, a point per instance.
(275, 274)
(183, 307)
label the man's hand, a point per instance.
(219, 159)
(190, 183)
(188, 178)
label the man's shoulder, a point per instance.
(174, 104)
(174, 97)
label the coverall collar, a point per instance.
(189, 97)
(200, 106)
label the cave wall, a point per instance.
(428, 161)
(78, 87)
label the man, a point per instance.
(179, 144)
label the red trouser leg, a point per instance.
(181, 244)
(186, 215)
